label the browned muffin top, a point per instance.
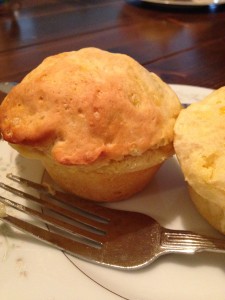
(83, 106)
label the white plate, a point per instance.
(211, 3)
(30, 270)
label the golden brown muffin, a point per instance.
(200, 147)
(100, 123)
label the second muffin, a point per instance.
(200, 147)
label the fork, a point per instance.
(114, 238)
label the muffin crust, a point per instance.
(90, 105)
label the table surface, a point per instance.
(182, 45)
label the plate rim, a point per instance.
(184, 3)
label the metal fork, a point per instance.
(114, 238)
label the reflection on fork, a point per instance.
(113, 238)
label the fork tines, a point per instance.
(69, 219)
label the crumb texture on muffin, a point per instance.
(90, 105)
(200, 144)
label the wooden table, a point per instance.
(184, 46)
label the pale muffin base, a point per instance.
(213, 212)
(103, 181)
(102, 187)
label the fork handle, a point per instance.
(190, 242)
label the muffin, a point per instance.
(100, 123)
(199, 144)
